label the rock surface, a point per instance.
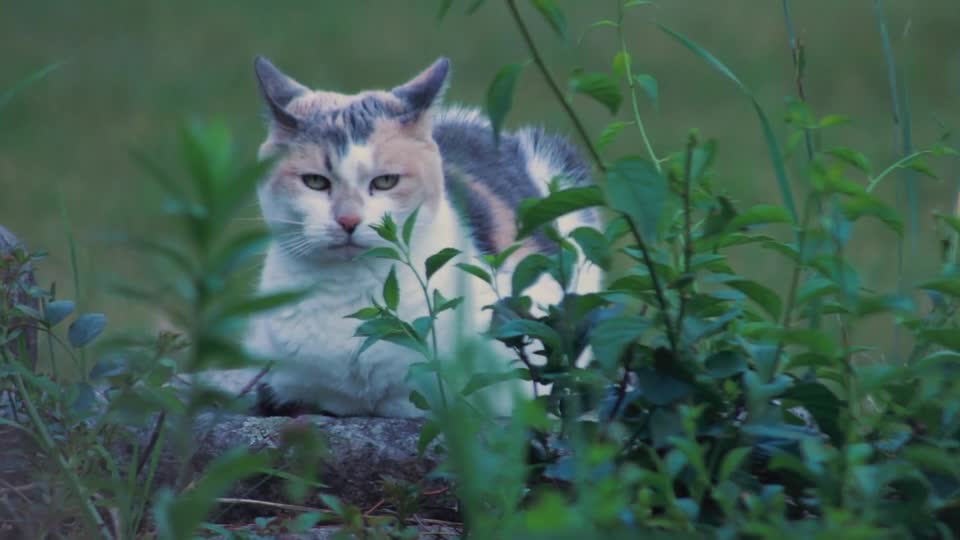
(359, 452)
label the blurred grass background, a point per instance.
(132, 71)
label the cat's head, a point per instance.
(344, 161)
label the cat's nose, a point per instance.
(349, 222)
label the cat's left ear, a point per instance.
(426, 89)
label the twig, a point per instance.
(13, 406)
(152, 442)
(554, 87)
(440, 491)
(19, 489)
(253, 382)
(270, 504)
(374, 508)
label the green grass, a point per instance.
(129, 73)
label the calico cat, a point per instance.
(342, 163)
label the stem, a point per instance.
(796, 52)
(900, 136)
(873, 183)
(633, 89)
(534, 372)
(538, 60)
(622, 388)
(687, 225)
(89, 511)
(433, 330)
(657, 286)
(794, 284)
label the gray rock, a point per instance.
(359, 453)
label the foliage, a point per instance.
(684, 400)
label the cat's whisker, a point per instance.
(264, 220)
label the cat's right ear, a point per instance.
(278, 90)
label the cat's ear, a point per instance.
(278, 90)
(425, 90)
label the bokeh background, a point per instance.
(131, 72)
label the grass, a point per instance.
(128, 73)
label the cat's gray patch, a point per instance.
(469, 155)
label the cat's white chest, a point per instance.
(318, 354)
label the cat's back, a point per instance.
(488, 180)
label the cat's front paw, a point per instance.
(268, 404)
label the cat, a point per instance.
(343, 162)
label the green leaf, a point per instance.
(444, 9)
(364, 314)
(391, 290)
(610, 338)
(58, 310)
(500, 96)
(555, 205)
(621, 63)
(762, 214)
(479, 381)
(387, 229)
(599, 86)
(947, 285)
(732, 461)
(725, 364)
(419, 401)
(764, 296)
(86, 328)
(260, 303)
(852, 157)
(636, 3)
(867, 205)
(428, 433)
(661, 389)
(495, 261)
(944, 337)
(475, 271)
(650, 87)
(383, 252)
(525, 327)
(408, 225)
(610, 133)
(594, 246)
(553, 14)
(441, 304)
(528, 271)
(823, 404)
(437, 260)
(636, 189)
(773, 146)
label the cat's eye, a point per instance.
(317, 182)
(385, 182)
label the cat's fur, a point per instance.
(351, 139)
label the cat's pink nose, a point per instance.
(349, 222)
